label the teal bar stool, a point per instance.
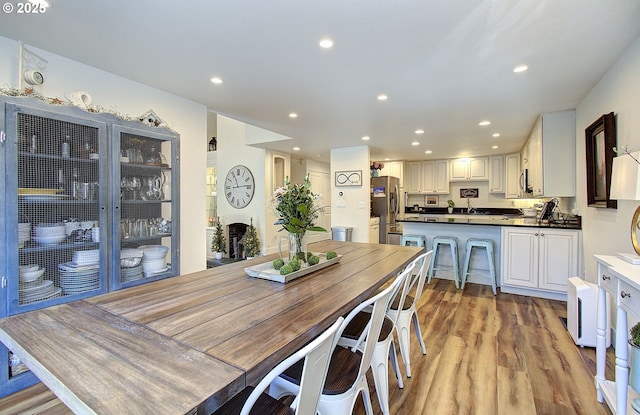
(452, 243)
(487, 245)
(414, 240)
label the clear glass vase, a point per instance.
(297, 247)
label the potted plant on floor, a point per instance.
(218, 242)
(251, 242)
(451, 204)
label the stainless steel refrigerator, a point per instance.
(385, 202)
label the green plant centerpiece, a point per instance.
(218, 242)
(251, 241)
(298, 209)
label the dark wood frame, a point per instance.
(599, 149)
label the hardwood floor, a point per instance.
(504, 355)
(486, 354)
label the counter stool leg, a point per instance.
(492, 269)
(465, 267)
(456, 266)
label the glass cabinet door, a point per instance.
(56, 194)
(144, 226)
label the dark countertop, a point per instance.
(494, 220)
(463, 210)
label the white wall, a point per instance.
(131, 98)
(345, 209)
(232, 151)
(607, 231)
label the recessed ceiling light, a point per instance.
(494, 147)
(419, 131)
(496, 135)
(484, 123)
(296, 149)
(387, 159)
(520, 68)
(366, 138)
(326, 43)
(216, 80)
(382, 97)
(293, 115)
(428, 152)
(415, 143)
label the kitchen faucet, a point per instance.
(468, 205)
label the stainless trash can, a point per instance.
(341, 233)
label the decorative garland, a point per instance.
(97, 109)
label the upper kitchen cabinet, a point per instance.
(430, 177)
(496, 174)
(550, 155)
(512, 189)
(469, 169)
(435, 176)
(395, 169)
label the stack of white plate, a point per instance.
(131, 274)
(50, 233)
(75, 279)
(130, 264)
(154, 259)
(24, 233)
(87, 257)
(44, 290)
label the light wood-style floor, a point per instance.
(504, 355)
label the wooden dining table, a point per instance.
(187, 344)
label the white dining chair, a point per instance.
(314, 359)
(346, 377)
(404, 313)
(385, 346)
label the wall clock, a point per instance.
(239, 186)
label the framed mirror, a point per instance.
(600, 139)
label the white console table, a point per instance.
(622, 281)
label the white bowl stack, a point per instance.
(24, 233)
(30, 273)
(50, 233)
(130, 264)
(154, 259)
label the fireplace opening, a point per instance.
(236, 233)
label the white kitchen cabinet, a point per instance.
(435, 177)
(395, 169)
(496, 174)
(430, 177)
(469, 169)
(374, 230)
(512, 173)
(412, 182)
(551, 154)
(539, 261)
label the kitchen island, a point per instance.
(188, 344)
(531, 258)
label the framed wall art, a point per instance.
(348, 178)
(600, 139)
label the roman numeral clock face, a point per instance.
(239, 186)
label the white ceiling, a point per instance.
(445, 64)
